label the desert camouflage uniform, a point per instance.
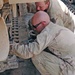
(60, 41)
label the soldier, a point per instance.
(58, 12)
(52, 52)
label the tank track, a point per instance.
(71, 7)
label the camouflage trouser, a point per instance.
(48, 64)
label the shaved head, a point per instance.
(42, 17)
(39, 17)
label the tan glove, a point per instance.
(12, 48)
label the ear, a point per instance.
(48, 3)
(43, 23)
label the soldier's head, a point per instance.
(40, 20)
(42, 5)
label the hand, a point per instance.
(12, 48)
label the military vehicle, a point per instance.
(70, 4)
(71, 1)
(12, 29)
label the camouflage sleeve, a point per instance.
(26, 51)
(64, 16)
